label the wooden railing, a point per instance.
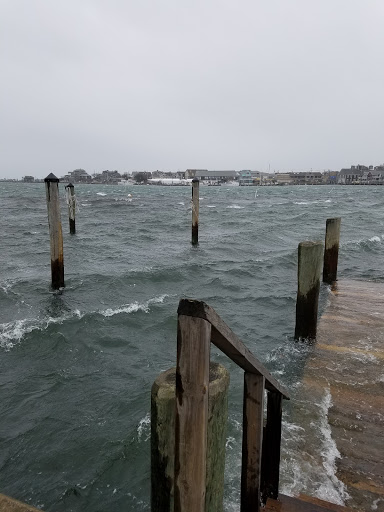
(198, 326)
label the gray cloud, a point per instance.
(170, 85)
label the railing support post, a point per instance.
(331, 251)
(195, 211)
(310, 257)
(271, 447)
(253, 422)
(191, 422)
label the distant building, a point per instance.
(77, 176)
(372, 177)
(249, 178)
(218, 176)
(191, 173)
(307, 178)
(352, 176)
(330, 177)
(283, 178)
(245, 178)
(28, 179)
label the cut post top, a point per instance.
(51, 177)
(70, 185)
(309, 243)
(195, 180)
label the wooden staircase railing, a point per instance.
(198, 326)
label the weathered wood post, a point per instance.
(55, 231)
(253, 423)
(163, 403)
(195, 211)
(272, 447)
(310, 257)
(191, 427)
(71, 202)
(331, 251)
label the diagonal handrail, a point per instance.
(227, 341)
(198, 326)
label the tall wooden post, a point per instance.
(55, 231)
(71, 202)
(195, 211)
(331, 251)
(310, 255)
(191, 423)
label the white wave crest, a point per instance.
(134, 307)
(236, 207)
(144, 428)
(100, 194)
(12, 333)
(337, 493)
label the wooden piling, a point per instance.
(331, 250)
(310, 257)
(71, 202)
(163, 402)
(55, 231)
(195, 211)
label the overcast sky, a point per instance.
(176, 84)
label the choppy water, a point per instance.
(76, 368)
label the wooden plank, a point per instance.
(271, 448)
(227, 341)
(347, 364)
(253, 422)
(8, 504)
(191, 422)
(302, 504)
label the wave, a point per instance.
(11, 333)
(135, 306)
(312, 202)
(236, 207)
(100, 194)
(329, 454)
(371, 242)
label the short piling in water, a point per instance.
(331, 251)
(310, 258)
(163, 403)
(71, 202)
(55, 231)
(195, 211)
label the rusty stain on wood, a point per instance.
(348, 361)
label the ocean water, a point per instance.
(76, 367)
